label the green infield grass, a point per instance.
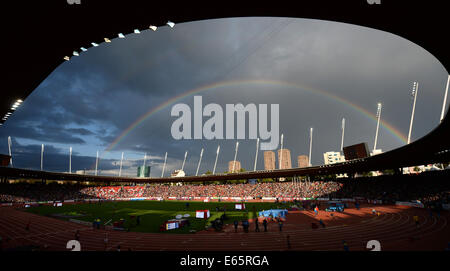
(154, 213)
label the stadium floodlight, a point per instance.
(310, 145)
(94, 44)
(445, 99)
(107, 40)
(379, 107)
(164, 166)
(96, 165)
(414, 95)
(256, 156)
(19, 100)
(199, 162)
(235, 155)
(136, 31)
(75, 53)
(217, 156)
(171, 24)
(280, 158)
(66, 58)
(70, 160)
(83, 49)
(120, 169)
(9, 149)
(121, 36)
(184, 161)
(343, 131)
(42, 157)
(152, 27)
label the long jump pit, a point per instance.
(372, 227)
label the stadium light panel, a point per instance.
(75, 53)
(171, 24)
(94, 44)
(83, 49)
(66, 58)
(121, 36)
(152, 27)
(19, 100)
(136, 31)
(107, 40)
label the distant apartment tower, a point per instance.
(302, 161)
(143, 173)
(269, 160)
(285, 159)
(333, 157)
(237, 166)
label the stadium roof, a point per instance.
(42, 33)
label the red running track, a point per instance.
(394, 228)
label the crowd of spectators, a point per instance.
(423, 188)
(35, 192)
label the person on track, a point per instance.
(346, 248)
(280, 224)
(416, 220)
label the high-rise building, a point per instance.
(302, 161)
(237, 166)
(333, 157)
(143, 173)
(269, 160)
(285, 159)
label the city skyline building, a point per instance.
(302, 161)
(269, 160)
(333, 157)
(284, 156)
(235, 164)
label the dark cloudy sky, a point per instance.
(90, 100)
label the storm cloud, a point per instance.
(317, 71)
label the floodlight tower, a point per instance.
(310, 145)
(164, 166)
(343, 132)
(256, 156)
(70, 160)
(96, 165)
(9, 148)
(378, 125)
(413, 94)
(445, 99)
(42, 157)
(281, 153)
(120, 169)
(199, 161)
(235, 155)
(184, 161)
(217, 156)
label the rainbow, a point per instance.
(391, 129)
